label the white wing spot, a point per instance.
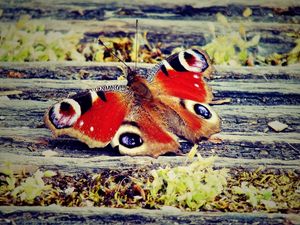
(91, 129)
(81, 123)
(196, 85)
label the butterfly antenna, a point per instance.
(100, 42)
(136, 43)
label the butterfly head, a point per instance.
(131, 75)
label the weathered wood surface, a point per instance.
(235, 145)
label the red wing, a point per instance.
(181, 75)
(92, 117)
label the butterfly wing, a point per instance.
(143, 133)
(182, 75)
(92, 117)
(180, 85)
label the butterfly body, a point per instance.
(150, 115)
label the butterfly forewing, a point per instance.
(182, 75)
(92, 117)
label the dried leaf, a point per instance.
(215, 139)
(14, 74)
(277, 126)
(247, 12)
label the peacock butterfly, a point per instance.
(149, 115)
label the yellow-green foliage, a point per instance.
(191, 186)
(31, 40)
(255, 195)
(26, 190)
(31, 188)
(28, 40)
(195, 185)
(231, 48)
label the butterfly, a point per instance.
(147, 117)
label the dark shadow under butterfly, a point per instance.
(150, 115)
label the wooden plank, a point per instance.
(31, 142)
(97, 215)
(40, 84)
(76, 164)
(35, 134)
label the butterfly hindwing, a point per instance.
(198, 120)
(143, 133)
(180, 85)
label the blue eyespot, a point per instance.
(201, 110)
(130, 140)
